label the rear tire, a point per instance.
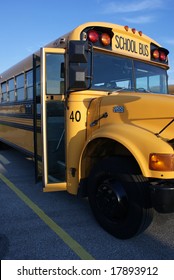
(119, 197)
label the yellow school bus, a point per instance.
(92, 108)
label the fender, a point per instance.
(138, 141)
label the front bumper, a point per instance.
(162, 197)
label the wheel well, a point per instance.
(99, 149)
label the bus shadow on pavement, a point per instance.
(4, 246)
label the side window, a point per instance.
(38, 81)
(4, 92)
(20, 87)
(55, 74)
(29, 84)
(11, 90)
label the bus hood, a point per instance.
(148, 111)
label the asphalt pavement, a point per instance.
(58, 226)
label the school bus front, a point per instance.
(121, 150)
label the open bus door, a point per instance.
(53, 119)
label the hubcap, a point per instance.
(112, 200)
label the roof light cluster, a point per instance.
(159, 55)
(102, 38)
(126, 27)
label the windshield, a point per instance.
(115, 73)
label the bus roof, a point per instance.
(26, 64)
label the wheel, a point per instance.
(119, 197)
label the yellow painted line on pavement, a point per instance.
(68, 240)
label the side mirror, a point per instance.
(80, 65)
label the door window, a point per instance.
(54, 74)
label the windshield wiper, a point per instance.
(142, 90)
(117, 90)
(129, 89)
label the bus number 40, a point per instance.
(75, 116)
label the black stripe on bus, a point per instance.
(20, 126)
(17, 115)
(13, 103)
(20, 115)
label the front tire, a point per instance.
(119, 197)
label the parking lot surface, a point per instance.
(49, 226)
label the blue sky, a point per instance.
(28, 25)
